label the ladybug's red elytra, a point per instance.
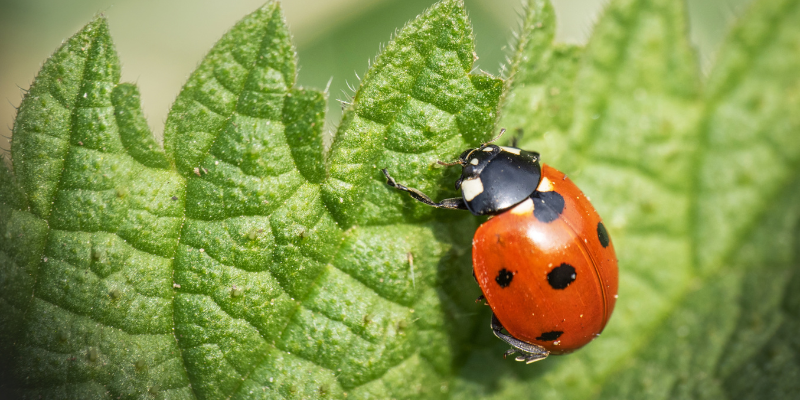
(544, 260)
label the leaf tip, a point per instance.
(98, 25)
(270, 7)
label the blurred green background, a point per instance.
(161, 41)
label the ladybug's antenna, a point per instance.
(502, 131)
(461, 162)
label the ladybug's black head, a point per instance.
(495, 178)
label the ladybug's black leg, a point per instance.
(517, 137)
(529, 352)
(453, 204)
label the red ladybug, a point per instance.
(544, 260)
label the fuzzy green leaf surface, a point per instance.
(694, 178)
(241, 260)
(227, 265)
(87, 254)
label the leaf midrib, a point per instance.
(705, 275)
(703, 129)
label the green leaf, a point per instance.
(22, 237)
(539, 103)
(242, 261)
(696, 187)
(256, 236)
(87, 263)
(736, 325)
(220, 266)
(417, 104)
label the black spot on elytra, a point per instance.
(550, 336)
(547, 206)
(561, 276)
(504, 278)
(602, 234)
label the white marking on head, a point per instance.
(512, 150)
(471, 188)
(526, 207)
(474, 161)
(546, 185)
(488, 149)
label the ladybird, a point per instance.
(543, 260)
